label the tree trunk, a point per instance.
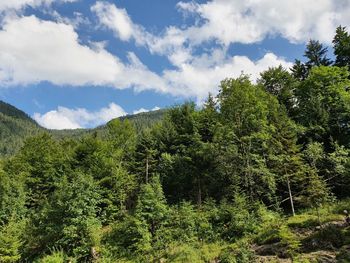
(147, 170)
(318, 216)
(290, 196)
(199, 193)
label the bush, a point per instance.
(56, 257)
(237, 253)
(328, 237)
(343, 256)
(290, 241)
(129, 236)
(10, 241)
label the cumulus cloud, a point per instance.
(34, 50)
(198, 78)
(230, 21)
(19, 4)
(65, 118)
(223, 22)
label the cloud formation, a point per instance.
(19, 4)
(230, 21)
(65, 118)
(34, 50)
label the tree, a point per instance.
(337, 171)
(146, 154)
(45, 162)
(317, 191)
(11, 240)
(280, 83)
(299, 70)
(341, 47)
(151, 208)
(69, 219)
(316, 54)
(323, 105)
(246, 114)
(12, 191)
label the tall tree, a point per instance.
(341, 46)
(69, 219)
(151, 207)
(323, 105)
(246, 111)
(280, 83)
(316, 54)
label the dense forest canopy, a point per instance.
(201, 184)
(16, 126)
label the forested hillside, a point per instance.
(16, 126)
(259, 173)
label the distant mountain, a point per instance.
(16, 126)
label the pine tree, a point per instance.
(341, 46)
(11, 240)
(316, 54)
(151, 206)
(299, 70)
(69, 219)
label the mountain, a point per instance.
(16, 126)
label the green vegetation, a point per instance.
(16, 126)
(259, 173)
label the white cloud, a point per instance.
(33, 50)
(19, 4)
(115, 18)
(198, 72)
(198, 78)
(141, 110)
(230, 21)
(65, 118)
(120, 23)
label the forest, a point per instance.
(258, 173)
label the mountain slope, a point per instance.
(16, 126)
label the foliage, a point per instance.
(205, 183)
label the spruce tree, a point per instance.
(341, 47)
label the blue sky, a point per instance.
(75, 63)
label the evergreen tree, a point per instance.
(11, 240)
(341, 47)
(316, 54)
(151, 207)
(323, 105)
(12, 191)
(299, 70)
(69, 219)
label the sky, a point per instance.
(79, 63)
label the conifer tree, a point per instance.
(341, 47)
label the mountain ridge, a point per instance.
(16, 126)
